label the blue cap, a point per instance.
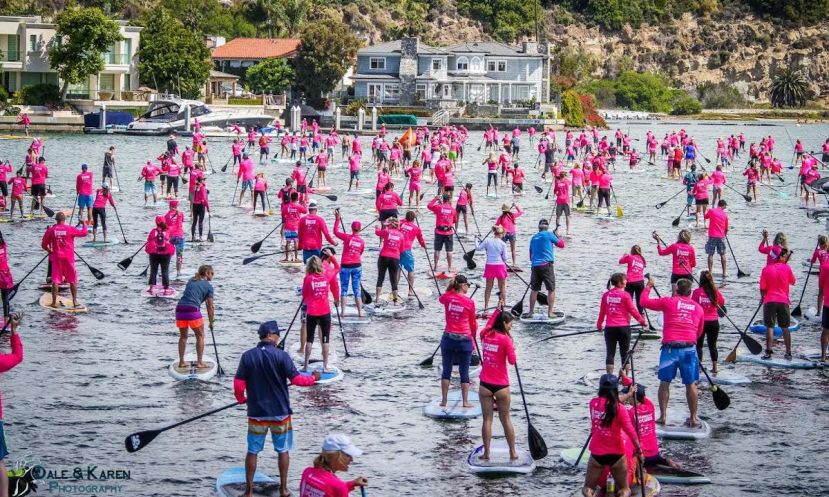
(84, 167)
(609, 381)
(268, 328)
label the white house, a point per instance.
(24, 46)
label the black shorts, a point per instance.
(387, 213)
(444, 241)
(701, 201)
(407, 155)
(543, 274)
(4, 188)
(563, 209)
(107, 172)
(606, 459)
(324, 323)
(301, 188)
(776, 313)
(517, 187)
(825, 318)
(38, 190)
(676, 277)
(492, 388)
(460, 209)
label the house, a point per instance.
(238, 54)
(24, 47)
(408, 72)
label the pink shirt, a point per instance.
(317, 482)
(636, 267)
(683, 318)
(261, 185)
(102, 198)
(507, 220)
(158, 242)
(200, 197)
(149, 172)
(562, 191)
(311, 230)
(775, 281)
(772, 251)
(6, 280)
(822, 256)
(8, 361)
(709, 309)
(353, 247)
(175, 222)
(354, 163)
(647, 426)
(717, 223)
(617, 306)
(578, 176)
(195, 174)
(292, 212)
(700, 190)
(497, 350)
(411, 232)
(605, 180)
(246, 170)
(445, 214)
(315, 294)
(684, 257)
(459, 311)
(393, 240)
(388, 200)
(39, 174)
(382, 181)
(83, 183)
(60, 239)
(608, 440)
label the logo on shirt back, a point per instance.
(455, 308)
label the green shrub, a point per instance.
(4, 95)
(720, 96)
(571, 109)
(646, 92)
(685, 105)
(39, 94)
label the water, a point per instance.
(87, 381)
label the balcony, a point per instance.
(117, 59)
(10, 56)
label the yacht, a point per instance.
(172, 114)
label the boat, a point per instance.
(175, 114)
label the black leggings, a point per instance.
(612, 336)
(198, 217)
(99, 213)
(492, 178)
(259, 195)
(635, 290)
(237, 158)
(604, 193)
(162, 260)
(324, 323)
(172, 183)
(392, 266)
(6, 307)
(710, 329)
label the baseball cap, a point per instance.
(84, 167)
(312, 205)
(356, 226)
(173, 202)
(543, 224)
(268, 328)
(159, 220)
(337, 442)
(609, 381)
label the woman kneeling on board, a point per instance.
(337, 453)
(497, 349)
(608, 420)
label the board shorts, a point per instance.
(247, 184)
(543, 274)
(701, 201)
(149, 186)
(676, 277)
(442, 240)
(84, 201)
(689, 199)
(407, 261)
(683, 358)
(386, 214)
(715, 244)
(460, 209)
(282, 434)
(355, 274)
(4, 450)
(452, 156)
(38, 191)
(178, 243)
(563, 209)
(355, 175)
(324, 323)
(776, 314)
(301, 189)
(188, 316)
(517, 187)
(509, 237)
(264, 150)
(64, 269)
(291, 235)
(108, 172)
(495, 271)
(307, 254)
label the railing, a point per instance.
(10, 56)
(117, 59)
(440, 118)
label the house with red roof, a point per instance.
(238, 54)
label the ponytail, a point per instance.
(201, 274)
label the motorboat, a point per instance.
(175, 114)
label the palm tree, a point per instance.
(790, 88)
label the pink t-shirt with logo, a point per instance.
(775, 281)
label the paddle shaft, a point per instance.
(739, 271)
(431, 269)
(194, 418)
(662, 204)
(221, 371)
(17, 285)
(266, 237)
(94, 271)
(281, 343)
(523, 397)
(805, 284)
(342, 333)
(639, 468)
(117, 217)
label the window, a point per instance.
(437, 64)
(13, 54)
(377, 63)
(58, 40)
(374, 92)
(496, 66)
(125, 82)
(391, 92)
(522, 92)
(420, 92)
(477, 64)
(462, 64)
(128, 49)
(33, 43)
(447, 91)
(106, 82)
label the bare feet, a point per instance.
(660, 421)
(182, 365)
(467, 405)
(443, 403)
(201, 365)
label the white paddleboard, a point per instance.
(454, 407)
(387, 310)
(729, 378)
(675, 428)
(333, 374)
(542, 318)
(810, 354)
(652, 489)
(190, 371)
(159, 292)
(665, 474)
(777, 361)
(421, 291)
(231, 483)
(316, 353)
(499, 460)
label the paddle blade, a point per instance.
(580, 203)
(248, 260)
(365, 296)
(470, 262)
(256, 246)
(138, 441)
(797, 312)
(49, 212)
(676, 221)
(332, 198)
(732, 356)
(741, 274)
(428, 362)
(619, 211)
(538, 449)
(753, 345)
(748, 199)
(721, 399)
(123, 265)
(538, 189)
(517, 309)
(210, 236)
(542, 298)
(96, 273)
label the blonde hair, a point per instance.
(314, 265)
(684, 236)
(498, 230)
(325, 460)
(201, 274)
(780, 239)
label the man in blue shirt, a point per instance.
(542, 258)
(689, 180)
(263, 373)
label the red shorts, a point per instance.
(64, 270)
(189, 323)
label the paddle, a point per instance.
(549, 189)
(740, 273)
(143, 273)
(141, 439)
(248, 260)
(538, 189)
(431, 267)
(619, 211)
(639, 469)
(365, 296)
(541, 297)
(124, 264)
(662, 204)
(431, 359)
(120, 225)
(721, 399)
(538, 449)
(676, 221)
(797, 310)
(746, 197)
(586, 332)
(342, 333)
(281, 343)
(221, 371)
(518, 308)
(467, 256)
(233, 198)
(256, 246)
(419, 303)
(16, 286)
(96, 273)
(77, 197)
(209, 229)
(477, 228)
(224, 168)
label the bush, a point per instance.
(646, 92)
(572, 110)
(244, 101)
(720, 96)
(588, 105)
(685, 105)
(40, 94)
(4, 95)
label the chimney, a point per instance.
(409, 46)
(530, 47)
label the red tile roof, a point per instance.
(256, 48)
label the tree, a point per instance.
(208, 17)
(789, 88)
(270, 76)
(327, 49)
(172, 58)
(571, 109)
(86, 34)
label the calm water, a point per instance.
(88, 381)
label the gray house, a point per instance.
(409, 72)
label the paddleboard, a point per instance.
(675, 428)
(403, 293)
(443, 275)
(651, 335)
(454, 407)
(759, 328)
(231, 483)
(316, 354)
(729, 378)
(333, 374)
(371, 210)
(542, 318)
(499, 460)
(190, 371)
(350, 316)
(665, 474)
(259, 214)
(159, 292)
(63, 304)
(777, 361)
(652, 489)
(810, 354)
(296, 263)
(364, 191)
(811, 315)
(101, 243)
(387, 310)
(321, 189)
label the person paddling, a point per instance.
(174, 219)
(542, 258)
(99, 210)
(497, 350)
(315, 288)
(393, 241)
(645, 415)
(445, 219)
(458, 339)
(411, 232)
(6, 279)
(261, 382)
(717, 231)
(351, 265)
(7, 362)
(711, 300)
(159, 250)
(201, 204)
(83, 187)
(684, 258)
(775, 283)
(311, 230)
(496, 267)
(618, 307)
(320, 480)
(189, 316)
(59, 242)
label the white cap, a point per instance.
(339, 442)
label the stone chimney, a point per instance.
(546, 68)
(409, 47)
(530, 47)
